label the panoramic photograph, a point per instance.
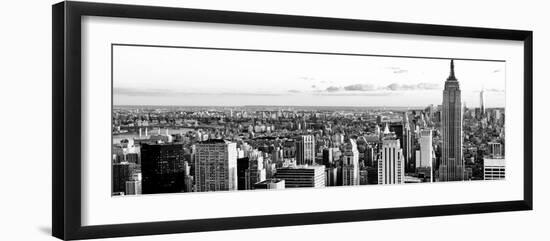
(192, 119)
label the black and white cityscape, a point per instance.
(188, 120)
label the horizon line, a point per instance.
(335, 106)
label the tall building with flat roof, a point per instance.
(256, 171)
(162, 168)
(327, 156)
(188, 178)
(426, 150)
(215, 165)
(121, 174)
(451, 167)
(391, 165)
(494, 169)
(495, 150)
(350, 164)
(331, 176)
(302, 176)
(242, 166)
(482, 102)
(133, 188)
(372, 175)
(363, 177)
(305, 150)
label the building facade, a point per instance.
(331, 176)
(407, 145)
(121, 174)
(494, 169)
(305, 150)
(391, 165)
(273, 183)
(242, 166)
(133, 188)
(482, 102)
(162, 168)
(495, 150)
(426, 149)
(215, 166)
(350, 164)
(256, 171)
(302, 176)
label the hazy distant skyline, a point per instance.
(200, 77)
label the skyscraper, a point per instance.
(495, 150)
(369, 155)
(216, 165)
(305, 150)
(426, 149)
(424, 165)
(407, 144)
(331, 176)
(482, 102)
(327, 156)
(188, 178)
(363, 177)
(256, 171)
(452, 165)
(350, 164)
(391, 166)
(121, 174)
(162, 168)
(242, 166)
(133, 187)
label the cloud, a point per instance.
(400, 71)
(307, 78)
(419, 86)
(355, 93)
(395, 86)
(390, 87)
(397, 70)
(294, 91)
(333, 89)
(360, 87)
(496, 70)
(428, 86)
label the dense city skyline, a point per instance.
(174, 149)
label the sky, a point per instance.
(204, 77)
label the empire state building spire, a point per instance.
(451, 167)
(452, 74)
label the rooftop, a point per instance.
(214, 141)
(271, 180)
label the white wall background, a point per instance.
(25, 99)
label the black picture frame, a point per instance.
(66, 122)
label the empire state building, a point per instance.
(452, 165)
